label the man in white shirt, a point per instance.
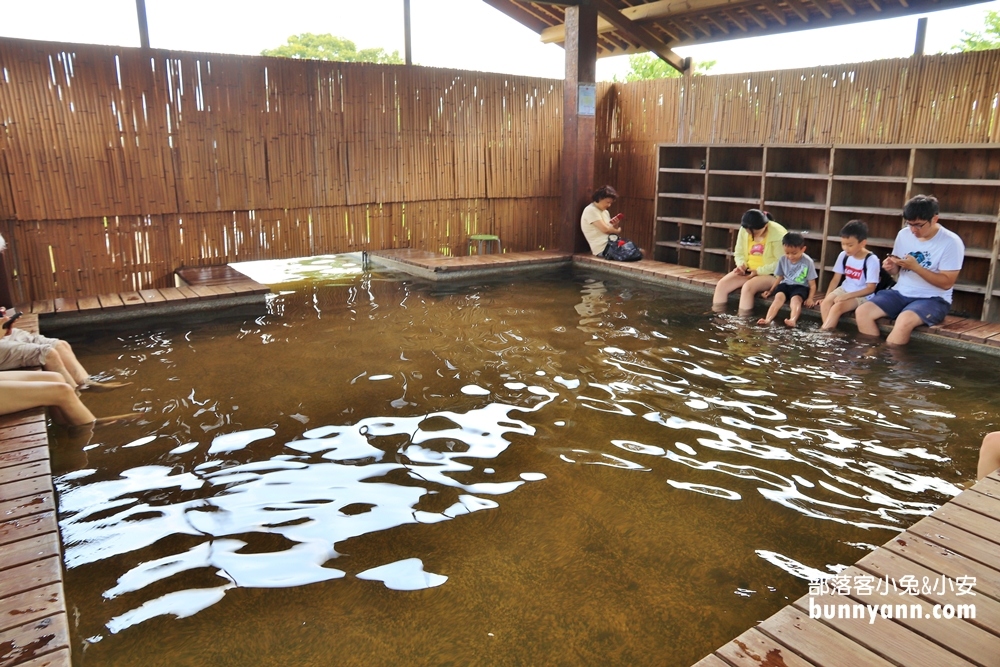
(925, 259)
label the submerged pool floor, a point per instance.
(568, 469)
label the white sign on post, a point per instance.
(587, 99)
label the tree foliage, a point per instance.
(327, 47)
(645, 66)
(989, 38)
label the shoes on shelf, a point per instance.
(691, 241)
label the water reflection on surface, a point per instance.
(562, 469)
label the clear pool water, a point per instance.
(559, 469)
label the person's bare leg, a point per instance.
(772, 312)
(54, 363)
(905, 324)
(18, 395)
(989, 455)
(866, 317)
(729, 282)
(72, 365)
(825, 307)
(796, 307)
(833, 315)
(750, 290)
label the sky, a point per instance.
(461, 34)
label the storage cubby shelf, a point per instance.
(736, 200)
(733, 172)
(869, 210)
(957, 181)
(790, 174)
(681, 195)
(815, 189)
(871, 179)
(796, 204)
(680, 221)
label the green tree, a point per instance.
(989, 38)
(327, 47)
(645, 66)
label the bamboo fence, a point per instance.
(939, 99)
(118, 165)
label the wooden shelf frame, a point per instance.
(966, 178)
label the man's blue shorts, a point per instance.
(931, 310)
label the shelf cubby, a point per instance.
(683, 157)
(797, 219)
(691, 183)
(882, 229)
(780, 189)
(977, 200)
(736, 158)
(867, 195)
(788, 161)
(881, 163)
(976, 163)
(746, 187)
(680, 207)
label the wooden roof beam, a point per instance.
(798, 9)
(706, 30)
(735, 19)
(519, 14)
(721, 25)
(824, 8)
(639, 34)
(848, 6)
(648, 12)
(755, 16)
(874, 3)
(775, 11)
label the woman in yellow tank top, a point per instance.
(758, 249)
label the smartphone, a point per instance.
(10, 322)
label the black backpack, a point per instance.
(885, 279)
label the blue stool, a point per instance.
(481, 239)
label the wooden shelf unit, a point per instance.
(703, 190)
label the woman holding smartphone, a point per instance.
(597, 223)
(758, 249)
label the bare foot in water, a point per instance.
(114, 419)
(791, 323)
(102, 386)
(764, 321)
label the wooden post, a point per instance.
(918, 48)
(578, 128)
(406, 31)
(140, 10)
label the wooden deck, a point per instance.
(198, 289)
(438, 267)
(34, 628)
(961, 539)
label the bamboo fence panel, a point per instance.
(118, 165)
(939, 99)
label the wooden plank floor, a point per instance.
(34, 629)
(942, 553)
(200, 284)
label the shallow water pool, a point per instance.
(563, 469)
